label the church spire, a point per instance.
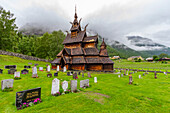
(75, 16)
(103, 50)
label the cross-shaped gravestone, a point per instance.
(55, 86)
(65, 85)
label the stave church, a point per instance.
(80, 51)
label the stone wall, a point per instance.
(22, 56)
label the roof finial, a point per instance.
(75, 16)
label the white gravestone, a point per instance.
(58, 69)
(95, 79)
(65, 85)
(34, 71)
(119, 76)
(40, 68)
(73, 85)
(16, 74)
(84, 83)
(55, 86)
(7, 83)
(48, 68)
(64, 70)
(139, 76)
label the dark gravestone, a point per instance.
(12, 71)
(27, 96)
(24, 71)
(68, 73)
(56, 74)
(36, 64)
(75, 75)
(10, 67)
(72, 72)
(27, 66)
(1, 71)
(79, 73)
(49, 75)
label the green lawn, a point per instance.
(110, 94)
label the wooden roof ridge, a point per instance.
(91, 38)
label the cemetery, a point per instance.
(90, 91)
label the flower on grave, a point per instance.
(58, 93)
(37, 100)
(76, 77)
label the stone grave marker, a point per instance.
(130, 79)
(58, 68)
(24, 71)
(55, 86)
(48, 68)
(89, 75)
(155, 75)
(79, 73)
(34, 72)
(164, 73)
(73, 85)
(40, 68)
(68, 73)
(1, 71)
(139, 76)
(95, 79)
(75, 75)
(27, 96)
(27, 66)
(35, 64)
(65, 85)
(49, 75)
(124, 71)
(17, 74)
(64, 70)
(10, 67)
(82, 74)
(7, 83)
(84, 83)
(12, 71)
(119, 76)
(127, 73)
(56, 74)
(30, 63)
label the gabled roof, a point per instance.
(91, 51)
(70, 39)
(106, 60)
(56, 61)
(77, 51)
(90, 39)
(93, 60)
(78, 60)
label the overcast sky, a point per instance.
(113, 19)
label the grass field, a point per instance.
(110, 94)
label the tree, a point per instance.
(155, 57)
(163, 55)
(7, 30)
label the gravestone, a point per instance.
(65, 85)
(1, 71)
(55, 86)
(72, 72)
(35, 64)
(49, 75)
(155, 75)
(95, 79)
(64, 70)
(89, 75)
(34, 72)
(143, 74)
(127, 73)
(17, 74)
(79, 73)
(10, 67)
(165, 73)
(48, 68)
(24, 71)
(139, 76)
(27, 66)
(27, 96)
(7, 83)
(124, 71)
(119, 76)
(40, 68)
(56, 74)
(75, 75)
(12, 71)
(58, 68)
(68, 73)
(84, 83)
(82, 74)
(30, 63)
(130, 79)
(73, 85)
